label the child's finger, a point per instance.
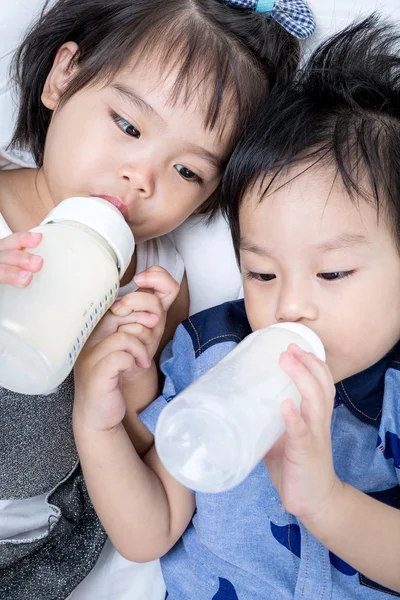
(15, 276)
(164, 285)
(298, 435)
(110, 324)
(317, 368)
(137, 302)
(313, 406)
(107, 370)
(18, 241)
(22, 260)
(17, 266)
(121, 341)
(147, 319)
(144, 334)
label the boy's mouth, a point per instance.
(117, 202)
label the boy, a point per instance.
(312, 197)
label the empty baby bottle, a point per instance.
(86, 248)
(212, 435)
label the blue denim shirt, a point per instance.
(242, 544)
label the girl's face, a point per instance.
(127, 142)
(310, 255)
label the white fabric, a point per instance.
(26, 518)
(160, 251)
(114, 578)
(4, 228)
(211, 270)
(333, 15)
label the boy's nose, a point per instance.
(139, 177)
(296, 304)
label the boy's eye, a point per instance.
(187, 174)
(335, 275)
(125, 126)
(261, 276)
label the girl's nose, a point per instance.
(140, 177)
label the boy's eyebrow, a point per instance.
(339, 241)
(131, 96)
(342, 240)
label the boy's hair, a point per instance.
(342, 110)
(240, 53)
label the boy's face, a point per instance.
(126, 141)
(309, 255)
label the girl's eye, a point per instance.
(335, 275)
(125, 126)
(261, 276)
(188, 175)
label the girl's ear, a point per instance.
(61, 72)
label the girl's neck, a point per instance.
(22, 204)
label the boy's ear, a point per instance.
(60, 75)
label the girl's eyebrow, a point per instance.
(127, 93)
(210, 157)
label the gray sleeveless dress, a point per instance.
(37, 453)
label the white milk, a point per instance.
(43, 327)
(214, 433)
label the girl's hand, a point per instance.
(157, 283)
(122, 348)
(16, 265)
(300, 464)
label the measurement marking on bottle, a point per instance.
(92, 318)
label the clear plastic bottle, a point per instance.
(86, 247)
(213, 434)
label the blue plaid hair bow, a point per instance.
(293, 15)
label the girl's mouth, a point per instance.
(117, 202)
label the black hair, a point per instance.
(342, 108)
(241, 53)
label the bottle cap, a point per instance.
(104, 218)
(307, 334)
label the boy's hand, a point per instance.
(300, 464)
(122, 347)
(16, 266)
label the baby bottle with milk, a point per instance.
(86, 247)
(213, 434)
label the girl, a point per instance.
(139, 102)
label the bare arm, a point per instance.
(143, 509)
(141, 392)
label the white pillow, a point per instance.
(15, 18)
(333, 15)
